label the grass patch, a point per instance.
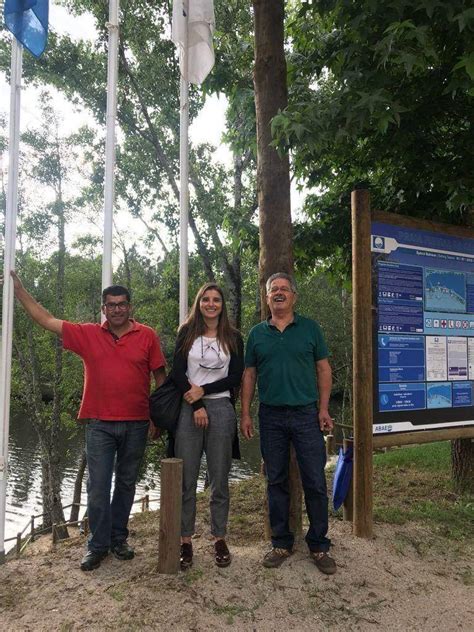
(230, 612)
(192, 575)
(432, 457)
(413, 483)
(116, 592)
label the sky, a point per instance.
(207, 127)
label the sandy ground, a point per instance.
(404, 579)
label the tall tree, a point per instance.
(273, 178)
(273, 169)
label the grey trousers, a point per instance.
(216, 442)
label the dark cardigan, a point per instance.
(229, 383)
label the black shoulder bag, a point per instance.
(165, 405)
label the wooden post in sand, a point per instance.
(362, 363)
(170, 515)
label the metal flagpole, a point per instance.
(184, 174)
(109, 185)
(9, 264)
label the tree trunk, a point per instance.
(76, 499)
(51, 495)
(273, 170)
(52, 486)
(462, 465)
(235, 293)
(273, 177)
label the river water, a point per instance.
(24, 481)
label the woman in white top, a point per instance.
(207, 368)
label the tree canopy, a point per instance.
(381, 95)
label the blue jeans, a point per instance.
(280, 425)
(109, 443)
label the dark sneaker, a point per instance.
(123, 551)
(221, 553)
(92, 560)
(324, 563)
(186, 559)
(276, 557)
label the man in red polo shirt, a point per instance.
(118, 357)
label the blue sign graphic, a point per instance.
(463, 394)
(404, 396)
(401, 358)
(439, 395)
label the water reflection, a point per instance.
(24, 482)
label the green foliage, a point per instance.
(381, 97)
(328, 302)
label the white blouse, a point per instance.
(208, 362)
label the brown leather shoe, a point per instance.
(222, 553)
(186, 559)
(276, 557)
(324, 563)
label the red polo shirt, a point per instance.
(116, 372)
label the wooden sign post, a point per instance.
(362, 363)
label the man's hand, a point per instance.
(154, 433)
(201, 420)
(194, 394)
(36, 311)
(17, 284)
(326, 422)
(246, 426)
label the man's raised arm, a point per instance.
(36, 311)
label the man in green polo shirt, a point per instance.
(287, 356)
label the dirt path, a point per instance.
(405, 579)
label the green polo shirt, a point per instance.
(285, 361)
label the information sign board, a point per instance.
(423, 301)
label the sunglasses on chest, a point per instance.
(206, 347)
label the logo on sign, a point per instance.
(378, 243)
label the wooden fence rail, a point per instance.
(22, 543)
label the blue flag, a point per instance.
(28, 21)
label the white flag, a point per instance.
(201, 24)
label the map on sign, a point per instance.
(424, 331)
(445, 291)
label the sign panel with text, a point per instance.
(423, 299)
